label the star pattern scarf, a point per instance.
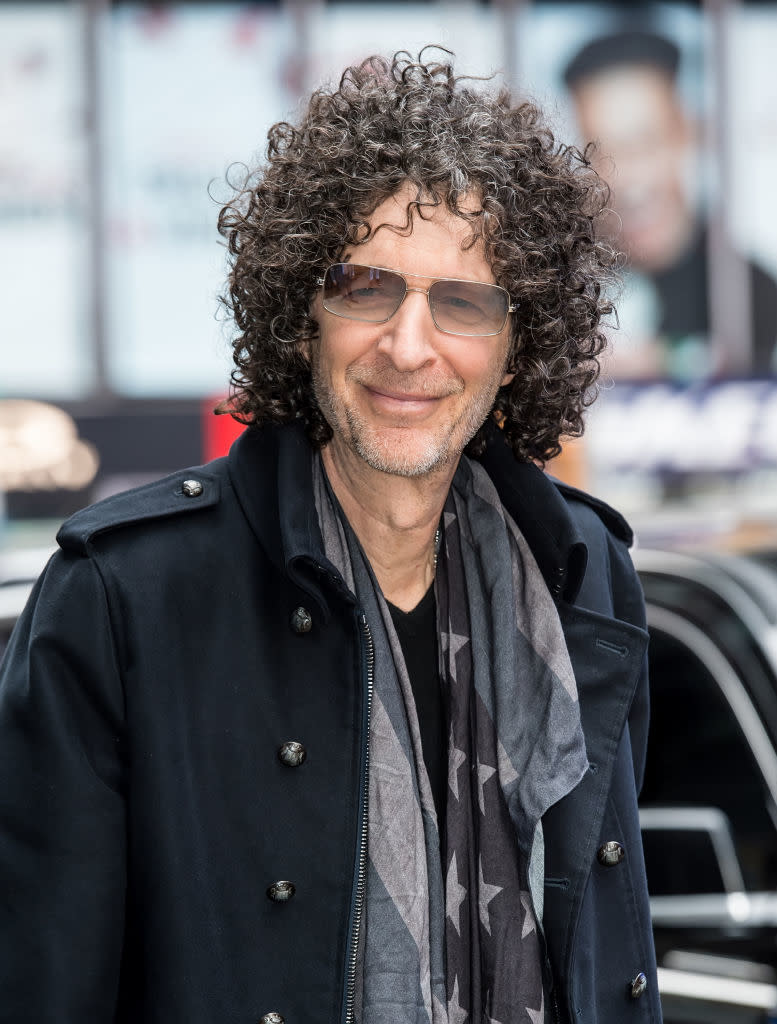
(458, 943)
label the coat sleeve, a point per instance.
(62, 810)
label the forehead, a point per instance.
(430, 241)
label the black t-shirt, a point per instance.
(417, 633)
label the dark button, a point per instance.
(610, 854)
(638, 986)
(191, 488)
(280, 892)
(272, 1018)
(292, 753)
(301, 620)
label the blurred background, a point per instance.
(122, 124)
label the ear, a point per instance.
(304, 346)
(306, 342)
(509, 377)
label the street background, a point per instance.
(122, 126)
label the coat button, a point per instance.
(301, 620)
(281, 892)
(610, 854)
(638, 986)
(292, 754)
(272, 1018)
(192, 488)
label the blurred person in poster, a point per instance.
(624, 88)
(349, 725)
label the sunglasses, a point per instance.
(373, 294)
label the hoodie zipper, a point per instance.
(361, 860)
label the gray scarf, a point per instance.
(460, 944)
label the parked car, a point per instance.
(709, 802)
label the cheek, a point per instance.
(480, 371)
(339, 347)
(354, 346)
(499, 361)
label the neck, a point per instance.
(395, 518)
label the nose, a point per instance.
(407, 338)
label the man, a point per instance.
(296, 736)
(625, 95)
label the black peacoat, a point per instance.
(183, 633)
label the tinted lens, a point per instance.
(362, 293)
(468, 307)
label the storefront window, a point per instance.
(45, 343)
(190, 90)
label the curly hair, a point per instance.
(391, 123)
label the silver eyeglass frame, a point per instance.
(511, 306)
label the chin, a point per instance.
(403, 457)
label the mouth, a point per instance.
(395, 401)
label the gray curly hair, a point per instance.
(393, 122)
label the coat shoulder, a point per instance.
(580, 501)
(179, 494)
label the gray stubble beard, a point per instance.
(436, 456)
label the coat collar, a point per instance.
(270, 470)
(541, 514)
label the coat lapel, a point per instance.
(571, 545)
(607, 657)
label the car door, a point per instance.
(709, 800)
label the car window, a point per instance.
(698, 755)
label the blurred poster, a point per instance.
(751, 139)
(44, 343)
(636, 82)
(721, 427)
(341, 34)
(687, 463)
(193, 90)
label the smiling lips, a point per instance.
(401, 401)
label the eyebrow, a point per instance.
(425, 277)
